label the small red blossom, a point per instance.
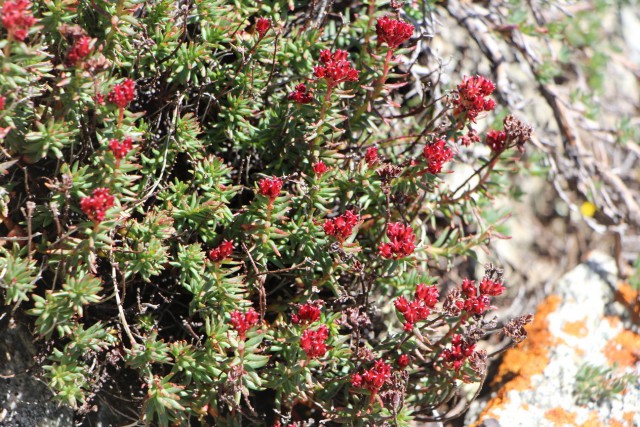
(471, 97)
(222, 252)
(341, 227)
(270, 187)
(242, 322)
(477, 305)
(335, 69)
(356, 380)
(319, 168)
(469, 288)
(301, 95)
(262, 26)
(2, 102)
(496, 140)
(313, 343)
(99, 99)
(427, 294)
(308, 313)
(123, 93)
(371, 156)
(97, 204)
(437, 154)
(17, 18)
(491, 287)
(412, 311)
(402, 241)
(471, 137)
(393, 32)
(459, 351)
(80, 50)
(120, 149)
(403, 361)
(374, 378)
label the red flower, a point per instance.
(412, 312)
(123, 93)
(459, 351)
(301, 95)
(262, 26)
(314, 342)
(120, 149)
(402, 241)
(223, 251)
(471, 137)
(319, 168)
(393, 32)
(80, 50)
(491, 287)
(374, 378)
(335, 69)
(371, 156)
(97, 204)
(496, 140)
(16, 18)
(436, 154)
(428, 294)
(403, 361)
(308, 313)
(270, 187)
(478, 304)
(341, 227)
(2, 102)
(471, 93)
(469, 288)
(356, 380)
(242, 322)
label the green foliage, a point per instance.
(143, 233)
(597, 383)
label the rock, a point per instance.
(24, 401)
(575, 327)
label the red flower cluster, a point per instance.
(17, 18)
(307, 313)
(262, 26)
(393, 32)
(123, 93)
(223, 251)
(471, 137)
(402, 241)
(426, 297)
(478, 302)
(436, 154)
(471, 93)
(314, 342)
(120, 149)
(459, 351)
(341, 227)
(270, 187)
(301, 95)
(335, 69)
(319, 168)
(2, 102)
(80, 50)
(403, 361)
(242, 322)
(374, 378)
(97, 204)
(496, 140)
(371, 156)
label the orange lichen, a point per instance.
(577, 329)
(526, 359)
(560, 417)
(628, 417)
(623, 349)
(627, 293)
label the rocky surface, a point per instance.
(579, 324)
(24, 401)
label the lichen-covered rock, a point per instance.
(576, 327)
